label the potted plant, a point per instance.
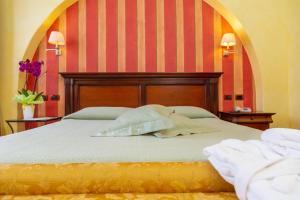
(26, 96)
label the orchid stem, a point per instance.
(35, 84)
(36, 81)
(26, 82)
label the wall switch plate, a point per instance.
(227, 97)
(239, 97)
(55, 97)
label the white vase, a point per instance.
(28, 111)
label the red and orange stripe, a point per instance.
(144, 36)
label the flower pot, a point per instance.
(28, 111)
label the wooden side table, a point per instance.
(258, 120)
(40, 119)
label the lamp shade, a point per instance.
(56, 38)
(228, 40)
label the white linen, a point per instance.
(98, 113)
(255, 170)
(69, 141)
(279, 181)
(183, 126)
(283, 141)
(193, 112)
(138, 121)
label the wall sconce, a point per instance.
(57, 39)
(228, 41)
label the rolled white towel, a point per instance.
(278, 181)
(284, 141)
(237, 161)
(255, 170)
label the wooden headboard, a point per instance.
(137, 89)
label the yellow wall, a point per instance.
(270, 24)
(19, 20)
(293, 23)
(7, 80)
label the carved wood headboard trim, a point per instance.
(206, 81)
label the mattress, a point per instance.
(99, 178)
(62, 161)
(70, 141)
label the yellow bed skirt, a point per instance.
(112, 180)
(127, 196)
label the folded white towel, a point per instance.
(252, 167)
(284, 141)
(279, 181)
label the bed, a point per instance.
(62, 161)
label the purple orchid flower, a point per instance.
(33, 68)
(29, 67)
(22, 67)
(36, 68)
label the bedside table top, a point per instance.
(247, 113)
(40, 119)
(258, 120)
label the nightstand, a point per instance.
(258, 120)
(40, 119)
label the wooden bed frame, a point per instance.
(137, 89)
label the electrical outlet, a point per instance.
(227, 97)
(55, 97)
(239, 97)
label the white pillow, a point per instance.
(183, 126)
(98, 113)
(139, 121)
(192, 112)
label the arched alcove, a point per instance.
(240, 31)
(179, 64)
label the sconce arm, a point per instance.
(57, 51)
(227, 52)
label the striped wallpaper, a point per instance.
(143, 36)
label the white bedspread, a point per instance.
(257, 169)
(69, 141)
